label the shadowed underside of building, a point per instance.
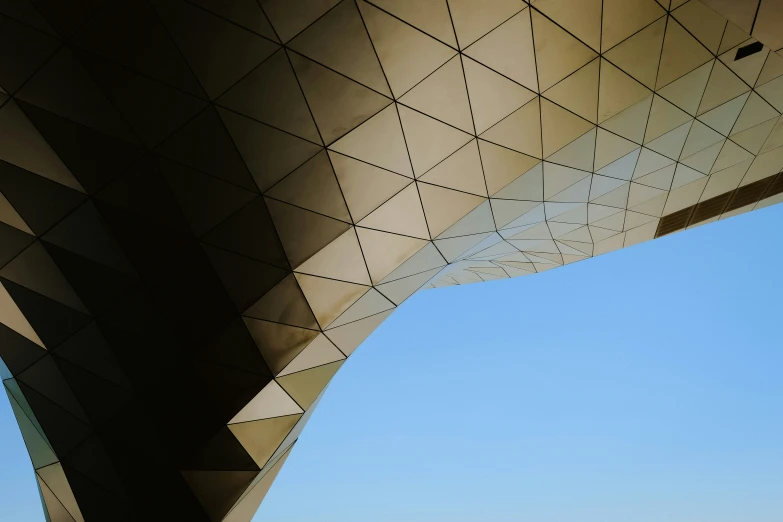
(206, 206)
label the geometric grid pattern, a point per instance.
(206, 207)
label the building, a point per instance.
(207, 206)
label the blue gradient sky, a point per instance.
(640, 386)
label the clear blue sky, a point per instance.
(640, 386)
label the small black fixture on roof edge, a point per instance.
(747, 50)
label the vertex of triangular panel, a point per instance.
(639, 55)
(582, 19)
(578, 192)
(473, 20)
(204, 144)
(319, 352)
(429, 140)
(426, 259)
(502, 166)
(11, 217)
(558, 178)
(578, 154)
(599, 234)
(478, 221)
(622, 168)
(341, 259)
(660, 179)
(85, 232)
(399, 290)
(536, 215)
(684, 175)
(340, 41)
(725, 180)
(268, 153)
(775, 139)
(431, 17)
(286, 304)
(578, 92)
(699, 138)
(681, 54)
(278, 343)
(246, 13)
(610, 147)
(370, 303)
(732, 37)
(773, 92)
(460, 171)
(303, 233)
(574, 249)
(756, 111)
(492, 96)
(328, 298)
(632, 122)
(348, 337)
(378, 141)
(452, 248)
(723, 86)
(444, 207)
(704, 23)
(406, 54)
(640, 195)
(289, 19)
(384, 252)
(218, 51)
(529, 186)
(521, 130)
(53, 477)
(602, 185)
(671, 143)
(250, 232)
(270, 402)
(12, 317)
(617, 92)
(34, 269)
(580, 234)
(559, 127)
(730, 155)
(261, 438)
(558, 54)
(704, 159)
(507, 210)
(39, 448)
(443, 95)
(338, 104)
(686, 92)
(611, 218)
(634, 219)
(664, 117)
(755, 137)
(313, 186)
(723, 117)
(65, 73)
(402, 214)
(685, 196)
(271, 94)
(23, 146)
(773, 68)
(622, 18)
(748, 68)
(764, 166)
(508, 49)
(364, 186)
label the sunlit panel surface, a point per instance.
(207, 206)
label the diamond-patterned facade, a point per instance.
(206, 206)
